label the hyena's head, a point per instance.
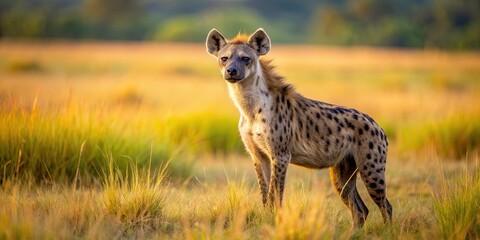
(238, 58)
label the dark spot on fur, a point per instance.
(369, 156)
(366, 127)
(372, 185)
(317, 115)
(349, 124)
(370, 145)
(360, 131)
(329, 116)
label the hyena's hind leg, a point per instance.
(373, 175)
(343, 176)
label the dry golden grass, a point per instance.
(411, 84)
(135, 97)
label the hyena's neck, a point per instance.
(251, 96)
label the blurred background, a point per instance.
(445, 24)
(81, 78)
(93, 90)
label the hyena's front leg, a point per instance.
(261, 163)
(262, 168)
(279, 166)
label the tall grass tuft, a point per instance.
(136, 199)
(457, 205)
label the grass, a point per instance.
(457, 205)
(83, 134)
(454, 137)
(145, 205)
(61, 143)
(136, 199)
(19, 66)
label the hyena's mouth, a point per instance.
(233, 79)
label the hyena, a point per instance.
(279, 126)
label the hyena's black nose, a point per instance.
(232, 71)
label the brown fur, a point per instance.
(239, 39)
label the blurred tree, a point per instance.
(19, 23)
(195, 28)
(369, 10)
(112, 10)
(330, 27)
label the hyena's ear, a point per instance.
(260, 42)
(215, 41)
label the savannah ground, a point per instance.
(128, 140)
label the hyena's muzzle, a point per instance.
(236, 67)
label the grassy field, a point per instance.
(139, 140)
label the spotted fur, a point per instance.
(279, 126)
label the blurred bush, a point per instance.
(24, 66)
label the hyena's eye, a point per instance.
(246, 59)
(224, 59)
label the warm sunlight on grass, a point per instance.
(140, 140)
